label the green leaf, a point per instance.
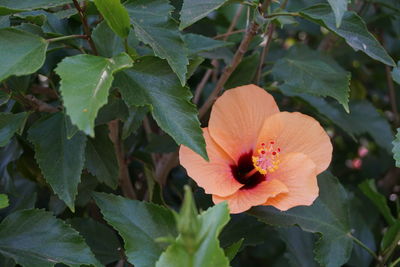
(198, 244)
(23, 52)
(4, 97)
(105, 246)
(396, 73)
(396, 148)
(35, 238)
(197, 43)
(12, 6)
(60, 159)
(392, 236)
(233, 249)
(153, 26)
(170, 102)
(299, 246)
(10, 124)
(363, 118)
(139, 224)
(4, 201)
(101, 160)
(245, 71)
(311, 72)
(328, 216)
(339, 7)
(85, 82)
(369, 189)
(352, 29)
(134, 120)
(116, 16)
(194, 10)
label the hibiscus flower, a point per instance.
(259, 155)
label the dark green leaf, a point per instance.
(352, 29)
(37, 17)
(115, 109)
(23, 53)
(198, 244)
(369, 189)
(12, 6)
(10, 124)
(193, 10)
(310, 72)
(153, 26)
(391, 236)
(233, 249)
(339, 7)
(396, 148)
(299, 246)
(101, 160)
(197, 43)
(327, 216)
(363, 118)
(34, 238)
(134, 120)
(396, 73)
(60, 159)
(245, 72)
(85, 82)
(116, 16)
(170, 102)
(139, 224)
(105, 246)
(4, 97)
(3, 201)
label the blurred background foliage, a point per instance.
(334, 60)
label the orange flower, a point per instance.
(259, 155)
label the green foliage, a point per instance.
(60, 159)
(306, 71)
(10, 124)
(328, 216)
(139, 224)
(352, 29)
(35, 238)
(116, 16)
(25, 52)
(85, 82)
(169, 101)
(193, 10)
(153, 25)
(197, 244)
(96, 96)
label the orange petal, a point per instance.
(244, 199)
(237, 117)
(296, 132)
(214, 176)
(297, 172)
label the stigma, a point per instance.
(267, 160)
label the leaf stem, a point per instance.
(85, 26)
(393, 264)
(264, 53)
(67, 37)
(290, 14)
(361, 244)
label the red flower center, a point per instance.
(244, 166)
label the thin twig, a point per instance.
(62, 38)
(227, 34)
(250, 33)
(234, 22)
(124, 178)
(264, 53)
(392, 95)
(86, 27)
(39, 105)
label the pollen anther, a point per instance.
(267, 160)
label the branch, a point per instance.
(124, 178)
(392, 95)
(250, 33)
(264, 53)
(39, 105)
(86, 28)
